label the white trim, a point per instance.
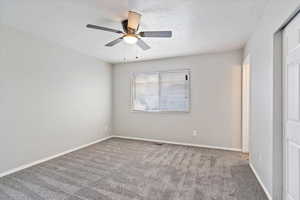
(178, 143)
(246, 103)
(278, 135)
(260, 181)
(50, 157)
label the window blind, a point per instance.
(161, 91)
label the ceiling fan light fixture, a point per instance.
(130, 39)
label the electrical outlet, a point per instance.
(106, 128)
(195, 133)
(259, 157)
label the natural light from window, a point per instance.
(164, 91)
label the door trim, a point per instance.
(278, 117)
(246, 103)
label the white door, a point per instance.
(246, 102)
(291, 59)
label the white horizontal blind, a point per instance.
(161, 91)
(174, 91)
(146, 91)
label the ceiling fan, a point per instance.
(130, 34)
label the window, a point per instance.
(161, 91)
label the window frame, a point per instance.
(132, 90)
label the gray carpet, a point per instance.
(119, 169)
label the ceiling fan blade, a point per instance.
(114, 42)
(133, 20)
(142, 44)
(103, 28)
(162, 34)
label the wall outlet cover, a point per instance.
(195, 133)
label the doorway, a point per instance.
(245, 104)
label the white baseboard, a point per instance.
(51, 157)
(260, 181)
(178, 143)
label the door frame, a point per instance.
(246, 72)
(278, 172)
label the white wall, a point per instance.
(260, 47)
(216, 102)
(51, 99)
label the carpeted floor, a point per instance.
(119, 169)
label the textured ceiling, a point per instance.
(199, 26)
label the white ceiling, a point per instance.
(199, 26)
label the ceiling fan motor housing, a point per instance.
(128, 29)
